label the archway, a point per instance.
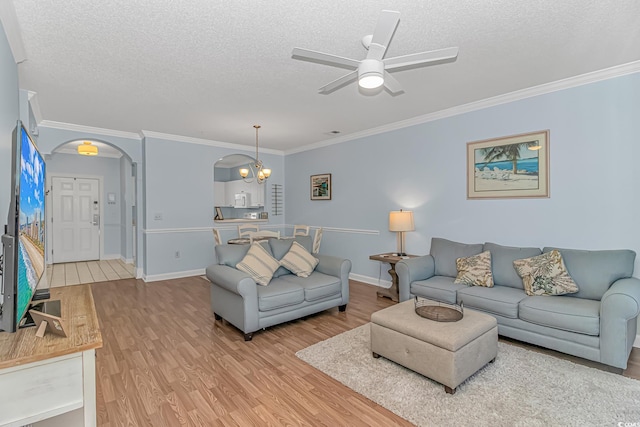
(112, 212)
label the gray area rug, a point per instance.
(521, 388)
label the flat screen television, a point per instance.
(23, 241)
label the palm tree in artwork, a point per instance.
(509, 152)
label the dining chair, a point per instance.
(264, 234)
(245, 229)
(216, 235)
(316, 241)
(300, 230)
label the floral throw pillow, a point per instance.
(475, 270)
(545, 275)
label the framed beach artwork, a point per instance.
(509, 167)
(321, 187)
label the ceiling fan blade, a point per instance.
(423, 58)
(387, 24)
(324, 58)
(338, 83)
(392, 85)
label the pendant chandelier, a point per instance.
(261, 173)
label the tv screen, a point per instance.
(31, 222)
(23, 242)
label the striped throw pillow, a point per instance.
(259, 264)
(299, 261)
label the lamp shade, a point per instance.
(401, 221)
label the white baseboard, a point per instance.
(126, 260)
(636, 343)
(111, 256)
(370, 280)
(139, 273)
(176, 275)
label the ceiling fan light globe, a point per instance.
(371, 81)
(370, 73)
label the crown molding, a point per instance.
(211, 143)
(568, 83)
(35, 105)
(12, 30)
(88, 129)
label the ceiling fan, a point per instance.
(373, 71)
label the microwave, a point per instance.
(242, 200)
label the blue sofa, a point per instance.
(236, 298)
(598, 322)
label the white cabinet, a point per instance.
(257, 194)
(224, 192)
(219, 192)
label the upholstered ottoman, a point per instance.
(447, 352)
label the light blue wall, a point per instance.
(9, 114)
(108, 169)
(179, 178)
(595, 194)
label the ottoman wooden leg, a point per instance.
(450, 390)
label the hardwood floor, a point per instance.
(166, 362)
(75, 273)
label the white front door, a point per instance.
(76, 219)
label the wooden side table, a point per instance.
(392, 259)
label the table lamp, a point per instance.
(401, 221)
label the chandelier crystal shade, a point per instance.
(261, 173)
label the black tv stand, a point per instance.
(40, 294)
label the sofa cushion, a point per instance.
(445, 253)
(438, 288)
(317, 286)
(502, 257)
(280, 247)
(280, 293)
(501, 300)
(231, 255)
(475, 270)
(595, 271)
(567, 313)
(299, 261)
(545, 275)
(259, 264)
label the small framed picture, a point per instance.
(321, 187)
(49, 320)
(218, 214)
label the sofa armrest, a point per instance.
(337, 267)
(232, 280)
(619, 310)
(412, 269)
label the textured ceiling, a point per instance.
(211, 69)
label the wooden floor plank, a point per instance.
(83, 272)
(166, 361)
(71, 274)
(107, 270)
(96, 271)
(57, 276)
